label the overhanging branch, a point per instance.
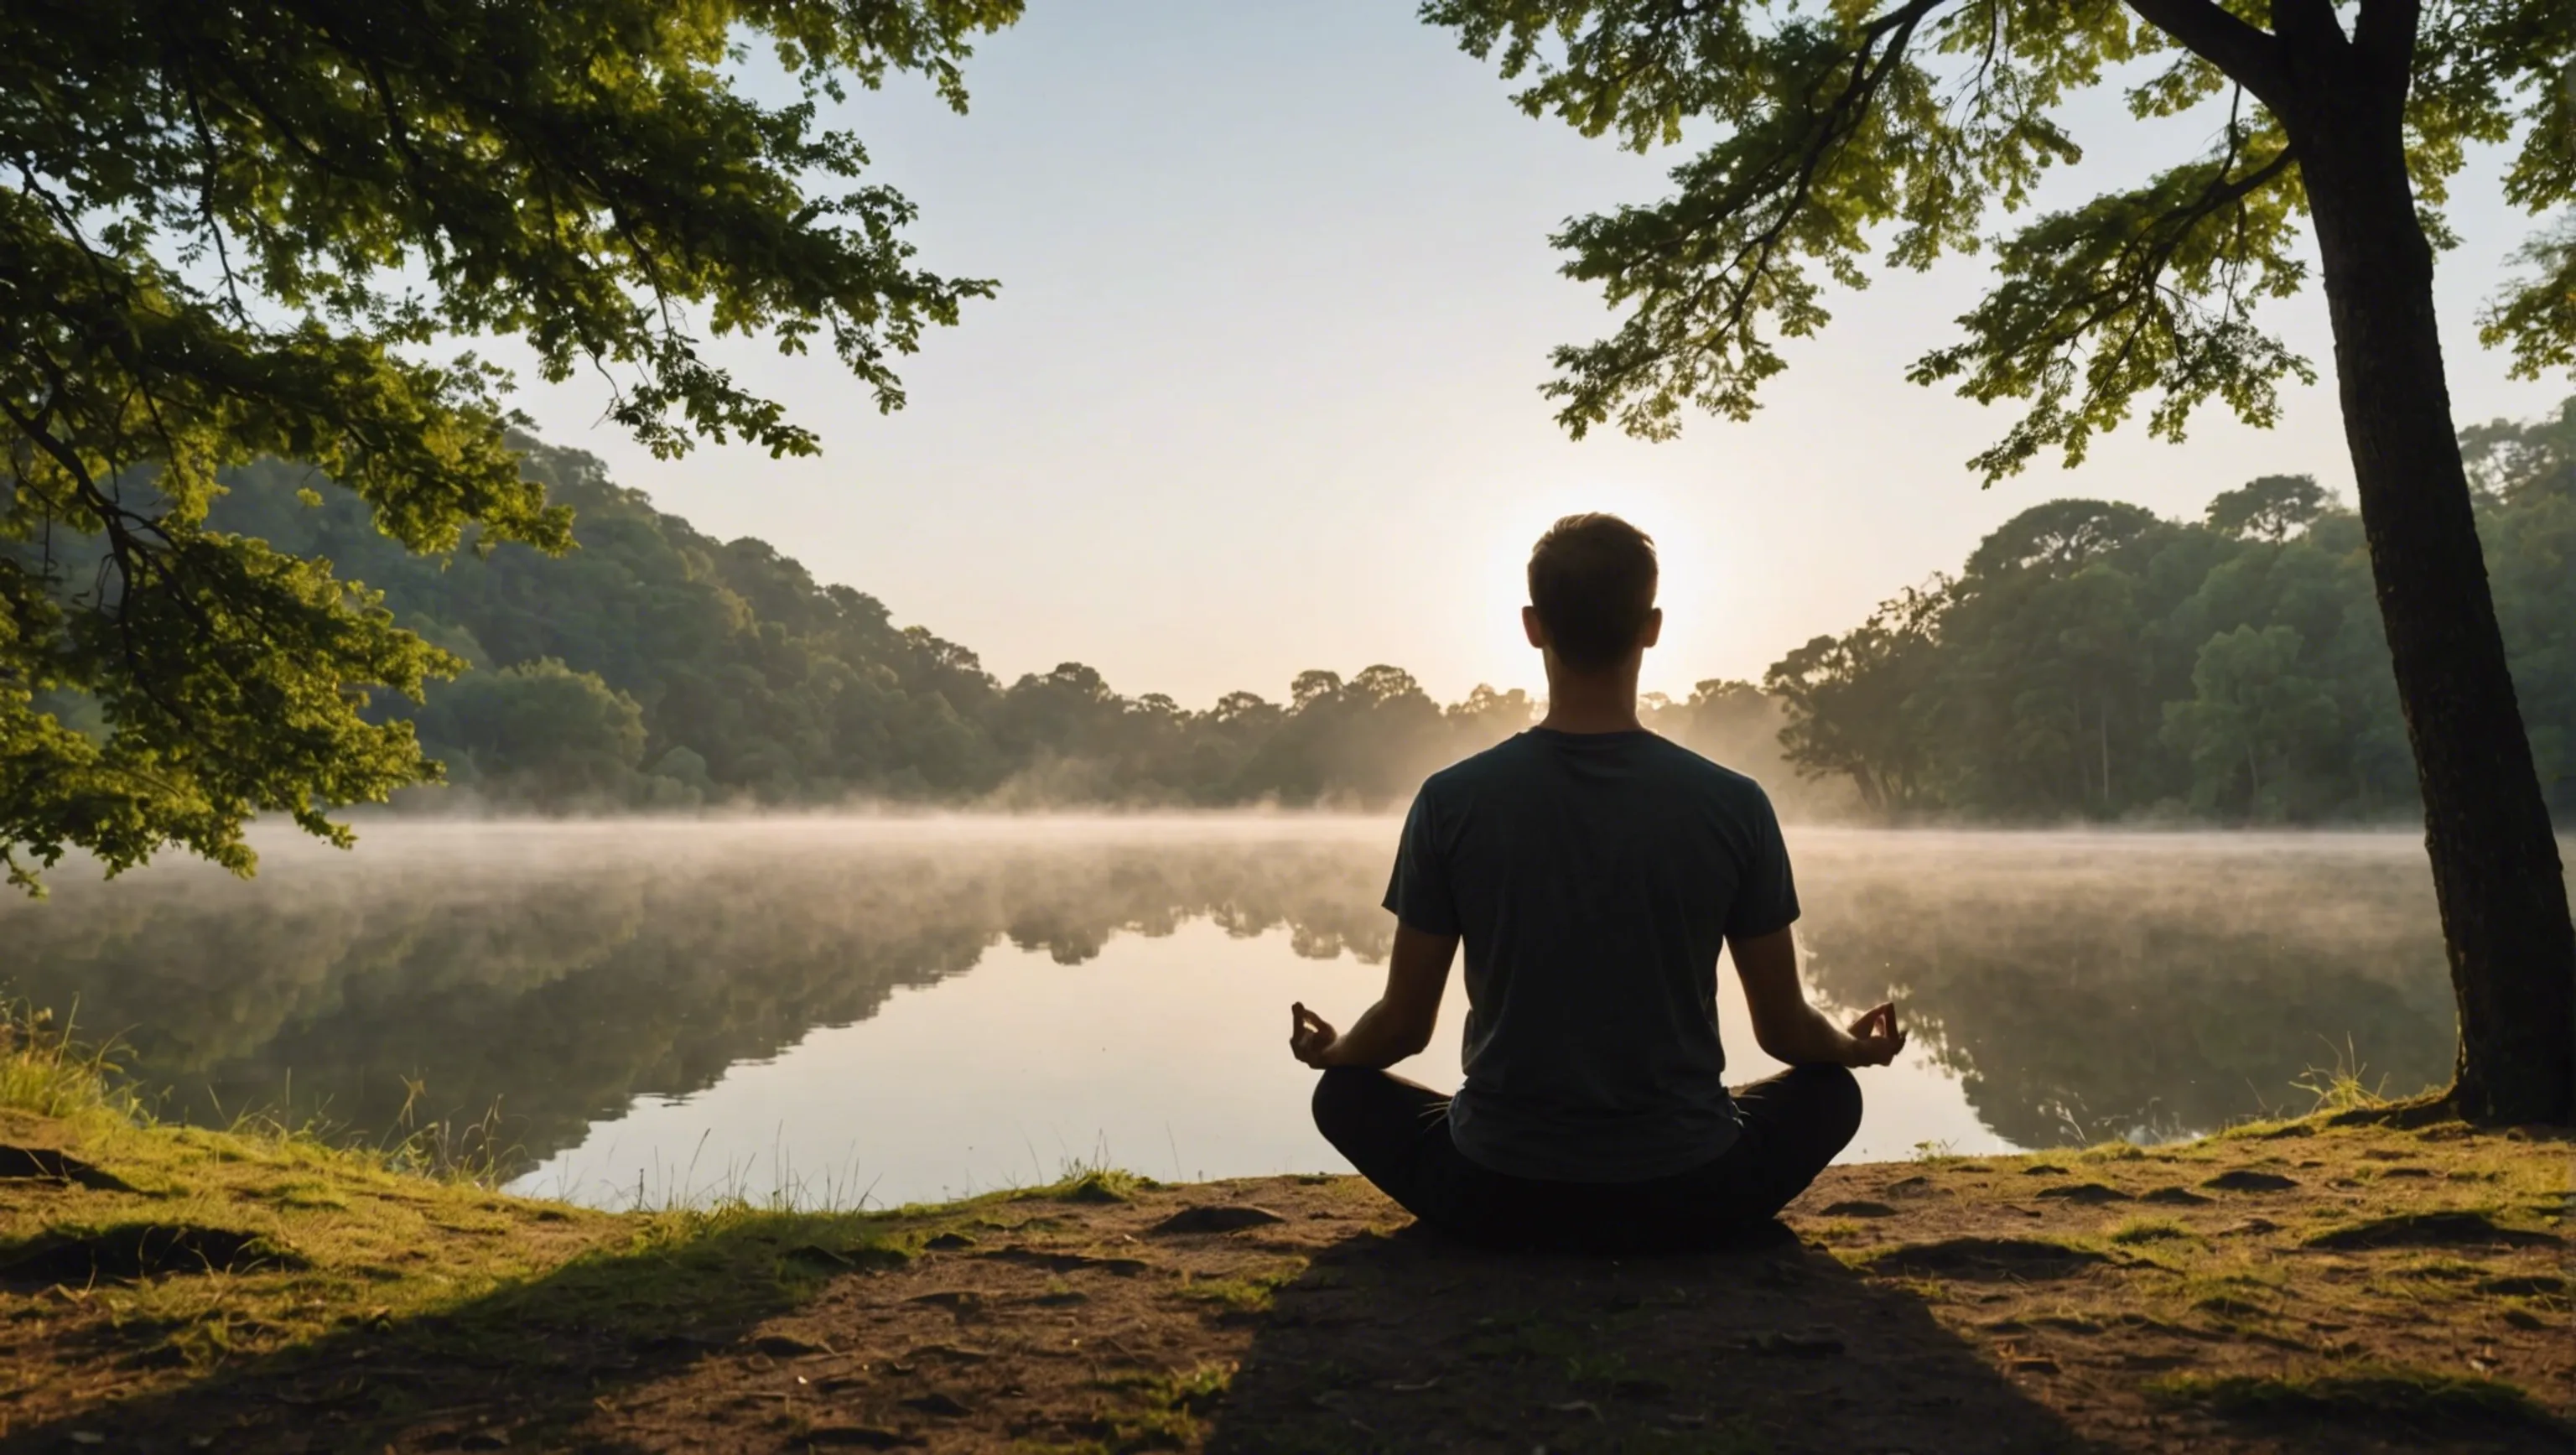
(2249, 57)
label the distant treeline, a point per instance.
(656, 667)
(2091, 660)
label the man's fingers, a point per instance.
(1308, 1034)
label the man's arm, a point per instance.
(1399, 1024)
(1788, 1028)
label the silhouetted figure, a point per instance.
(1593, 869)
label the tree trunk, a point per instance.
(2103, 723)
(2496, 870)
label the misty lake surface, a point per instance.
(907, 1009)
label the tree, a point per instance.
(2251, 710)
(2269, 508)
(2060, 537)
(1850, 700)
(561, 734)
(1911, 121)
(2527, 479)
(234, 230)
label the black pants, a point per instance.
(1397, 1134)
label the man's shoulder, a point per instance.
(1519, 758)
(1501, 757)
(1691, 766)
(1513, 760)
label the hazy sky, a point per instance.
(1260, 390)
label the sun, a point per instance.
(1690, 541)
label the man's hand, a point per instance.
(1310, 1036)
(1790, 1029)
(1398, 1025)
(1875, 1038)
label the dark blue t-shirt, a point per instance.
(1594, 877)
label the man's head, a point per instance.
(1592, 593)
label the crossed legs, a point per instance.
(1397, 1134)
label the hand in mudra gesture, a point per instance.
(1875, 1037)
(1309, 1035)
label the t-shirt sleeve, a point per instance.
(1417, 893)
(1766, 894)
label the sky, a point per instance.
(1260, 391)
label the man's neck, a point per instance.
(1589, 704)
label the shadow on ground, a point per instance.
(1412, 1343)
(1300, 1314)
(533, 1357)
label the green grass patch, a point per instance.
(2387, 1394)
(2440, 1270)
(2150, 1230)
(1160, 1411)
(1249, 1294)
(45, 1072)
(1094, 1184)
(2113, 1152)
(2445, 1227)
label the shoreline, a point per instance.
(2316, 1284)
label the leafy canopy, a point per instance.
(1851, 128)
(235, 228)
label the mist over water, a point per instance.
(911, 1008)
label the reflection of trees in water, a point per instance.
(563, 972)
(2095, 987)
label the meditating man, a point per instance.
(1592, 869)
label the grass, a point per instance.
(1093, 1182)
(46, 1071)
(43, 1072)
(2113, 1152)
(407, 1240)
(1160, 1411)
(1250, 1294)
(2369, 1394)
(406, 1251)
(2339, 1088)
(2150, 1230)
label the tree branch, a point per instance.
(2249, 57)
(2384, 33)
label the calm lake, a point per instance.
(898, 1010)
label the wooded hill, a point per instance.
(2089, 660)
(656, 667)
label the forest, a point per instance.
(654, 667)
(2089, 660)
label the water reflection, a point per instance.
(2095, 985)
(2077, 985)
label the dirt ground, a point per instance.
(2316, 1288)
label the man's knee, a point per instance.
(1831, 1096)
(1341, 1101)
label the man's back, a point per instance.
(1593, 878)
